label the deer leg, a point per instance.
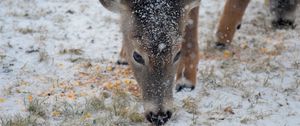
(186, 73)
(230, 21)
(122, 57)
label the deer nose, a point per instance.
(159, 118)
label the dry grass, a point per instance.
(37, 107)
(71, 51)
(209, 78)
(43, 56)
(190, 105)
(95, 104)
(116, 105)
(19, 120)
(26, 30)
(296, 65)
(2, 56)
(37, 115)
(119, 111)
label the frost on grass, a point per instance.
(36, 115)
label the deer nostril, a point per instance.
(160, 118)
(169, 114)
(149, 117)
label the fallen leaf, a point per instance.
(128, 82)
(30, 98)
(2, 100)
(56, 113)
(117, 85)
(136, 117)
(60, 65)
(244, 46)
(109, 68)
(134, 90)
(108, 86)
(77, 83)
(228, 110)
(227, 54)
(267, 3)
(82, 94)
(263, 50)
(71, 95)
(82, 74)
(87, 116)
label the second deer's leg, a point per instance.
(186, 73)
(230, 21)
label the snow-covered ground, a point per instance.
(57, 60)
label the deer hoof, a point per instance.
(220, 46)
(184, 84)
(180, 88)
(283, 24)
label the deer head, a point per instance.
(153, 32)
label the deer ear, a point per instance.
(190, 4)
(116, 6)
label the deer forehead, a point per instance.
(157, 24)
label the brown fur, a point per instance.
(190, 51)
(283, 12)
(231, 19)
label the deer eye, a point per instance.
(176, 58)
(138, 58)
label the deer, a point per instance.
(160, 44)
(282, 12)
